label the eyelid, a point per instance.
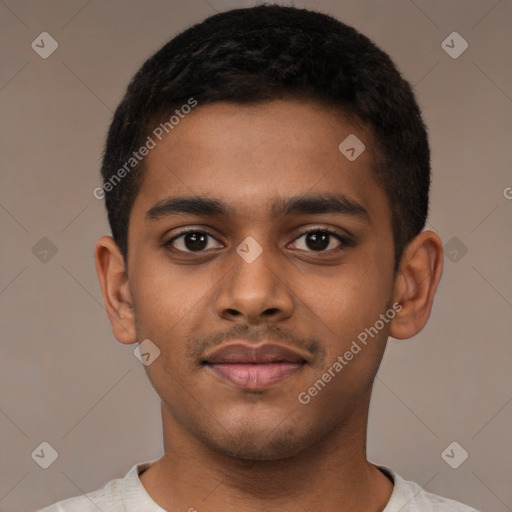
(326, 229)
(191, 230)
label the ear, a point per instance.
(416, 283)
(115, 288)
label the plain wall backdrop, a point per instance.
(66, 381)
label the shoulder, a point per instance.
(110, 498)
(410, 497)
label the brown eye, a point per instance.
(191, 241)
(319, 240)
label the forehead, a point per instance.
(249, 156)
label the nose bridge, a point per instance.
(252, 265)
(253, 287)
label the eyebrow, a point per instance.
(304, 204)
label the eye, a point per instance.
(320, 240)
(191, 241)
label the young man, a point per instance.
(266, 178)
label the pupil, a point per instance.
(195, 241)
(317, 242)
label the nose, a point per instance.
(254, 292)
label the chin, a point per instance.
(245, 442)
(251, 451)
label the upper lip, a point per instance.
(264, 352)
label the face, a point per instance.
(258, 253)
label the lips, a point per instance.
(255, 367)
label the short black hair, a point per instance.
(268, 52)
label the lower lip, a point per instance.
(255, 376)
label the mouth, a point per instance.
(254, 367)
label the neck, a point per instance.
(331, 474)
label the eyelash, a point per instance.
(344, 241)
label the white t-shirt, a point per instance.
(129, 495)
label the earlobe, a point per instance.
(115, 288)
(416, 282)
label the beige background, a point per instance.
(66, 381)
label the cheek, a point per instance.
(349, 299)
(344, 311)
(166, 298)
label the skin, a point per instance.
(227, 448)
